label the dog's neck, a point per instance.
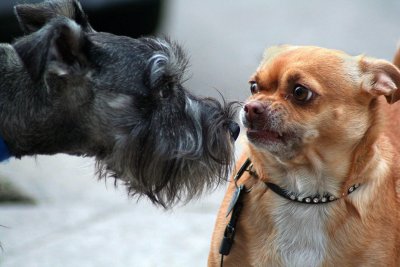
(315, 172)
(330, 170)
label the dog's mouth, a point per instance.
(284, 144)
(266, 136)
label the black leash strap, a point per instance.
(229, 233)
(234, 208)
(242, 169)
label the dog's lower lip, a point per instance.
(264, 135)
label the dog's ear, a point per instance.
(59, 49)
(57, 55)
(32, 17)
(380, 77)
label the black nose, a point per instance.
(234, 129)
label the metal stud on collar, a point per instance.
(352, 188)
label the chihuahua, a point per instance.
(320, 186)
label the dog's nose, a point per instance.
(253, 109)
(234, 129)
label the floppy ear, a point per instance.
(57, 55)
(380, 77)
(32, 17)
(57, 52)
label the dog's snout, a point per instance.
(234, 129)
(253, 110)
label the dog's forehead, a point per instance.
(114, 44)
(310, 59)
(283, 56)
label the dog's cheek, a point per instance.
(310, 135)
(351, 123)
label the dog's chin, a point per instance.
(284, 145)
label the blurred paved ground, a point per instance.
(82, 222)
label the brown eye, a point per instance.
(167, 91)
(253, 88)
(164, 93)
(301, 93)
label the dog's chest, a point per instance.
(299, 235)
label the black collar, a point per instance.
(313, 199)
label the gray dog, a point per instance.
(65, 88)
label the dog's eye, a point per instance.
(253, 88)
(167, 91)
(301, 93)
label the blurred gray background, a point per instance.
(82, 222)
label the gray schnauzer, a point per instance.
(65, 88)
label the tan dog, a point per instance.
(324, 188)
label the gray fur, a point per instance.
(66, 88)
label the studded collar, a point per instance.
(312, 199)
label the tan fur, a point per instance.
(349, 136)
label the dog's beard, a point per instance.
(175, 159)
